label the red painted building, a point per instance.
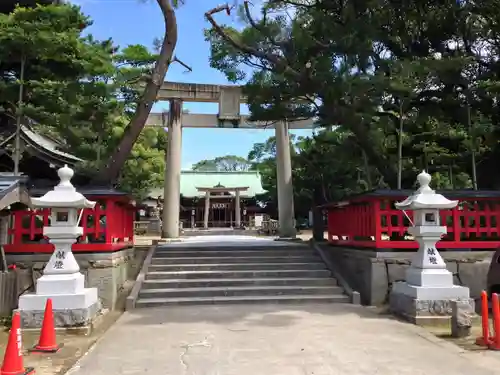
(107, 227)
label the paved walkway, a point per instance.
(227, 241)
(145, 240)
(275, 340)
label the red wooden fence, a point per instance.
(109, 226)
(371, 220)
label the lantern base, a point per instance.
(70, 310)
(429, 277)
(70, 284)
(426, 312)
(450, 292)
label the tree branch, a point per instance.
(279, 63)
(256, 26)
(188, 68)
(115, 163)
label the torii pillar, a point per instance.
(286, 211)
(172, 187)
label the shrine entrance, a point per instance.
(221, 216)
(229, 99)
(222, 206)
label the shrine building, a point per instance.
(216, 199)
(21, 227)
(105, 249)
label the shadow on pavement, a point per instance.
(252, 315)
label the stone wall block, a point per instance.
(107, 286)
(39, 265)
(398, 261)
(474, 276)
(397, 272)
(372, 274)
(452, 266)
(379, 286)
(106, 272)
(462, 313)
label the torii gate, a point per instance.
(229, 99)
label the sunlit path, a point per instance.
(274, 340)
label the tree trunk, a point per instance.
(366, 167)
(318, 227)
(19, 117)
(473, 150)
(388, 172)
(400, 146)
(110, 174)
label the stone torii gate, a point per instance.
(229, 99)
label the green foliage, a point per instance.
(228, 163)
(77, 89)
(371, 69)
(145, 169)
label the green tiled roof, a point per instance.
(190, 180)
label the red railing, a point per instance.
(109, 226)
(371, 220)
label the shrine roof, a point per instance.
(12, 190)
(47, 144)
(45, 147)
(87, 191)
(191, 180)
(8, 182)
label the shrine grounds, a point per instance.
(73, 346)
(249, 332)
(267, 340)
(326, 339)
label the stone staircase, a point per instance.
(291, 273)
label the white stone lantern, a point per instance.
(429, 285)
(62, 280)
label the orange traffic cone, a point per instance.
(485, 339)
(13, 359)
(47, 341)
(495, 307)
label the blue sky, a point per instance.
(139, 22)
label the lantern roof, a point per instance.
(424, 197)
(64, 195)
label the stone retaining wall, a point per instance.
(12, 283)
(107, 272)
(372, 273)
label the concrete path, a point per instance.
(226, 240)
(145, 240)
(275, 340)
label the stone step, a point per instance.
(230, 248)
(197, 283)
(225, 274)
(284, 299)
(240, 291)
(232, 259)
(237, 275)
(237, 266)
(233, 253)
